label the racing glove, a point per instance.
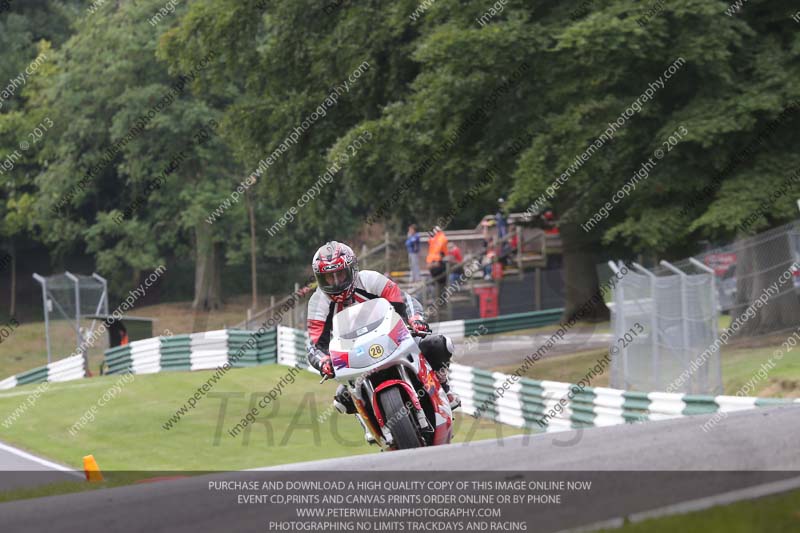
(326, 368)
(419, 326)
(321, 361)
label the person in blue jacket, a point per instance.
(412, 246)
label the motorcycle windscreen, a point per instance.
(357, 320)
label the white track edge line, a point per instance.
(39, 460)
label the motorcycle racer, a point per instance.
(340, 284)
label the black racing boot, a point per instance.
(343, 402)
(444, 380)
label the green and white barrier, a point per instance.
(292, 347)
(242, 352)
(460, 329)
(65, 369)
(452, 328)
(555, 406)
(198, 351)
(508, 399)
(209, 350)
(558, 406)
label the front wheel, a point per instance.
(399, 420)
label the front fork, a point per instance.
(366, 422)
(382, 433)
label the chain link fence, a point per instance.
(665, 319)
(751, 267)
(67, 300)
(662, 318)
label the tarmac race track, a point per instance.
(633, 468)
(19, 469)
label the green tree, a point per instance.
(27, 30)
(445, 97)
(139, 163)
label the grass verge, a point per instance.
(127, 433)
(775, 514)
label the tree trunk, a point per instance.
(13, 311)
(207, 278)
(136, 277)
(253, 277)
(580, 274)
(758, 267)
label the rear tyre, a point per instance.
(399, 419)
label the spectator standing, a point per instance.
(412, 246)
(456, 258)
(503, 249)
(500, 219)
(437, 250)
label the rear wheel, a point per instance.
(399, 420)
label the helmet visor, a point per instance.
(336, 281)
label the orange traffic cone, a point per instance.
(91, 469)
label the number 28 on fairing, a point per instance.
(376, 351)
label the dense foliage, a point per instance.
(521, 87)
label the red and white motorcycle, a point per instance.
(396, 392)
